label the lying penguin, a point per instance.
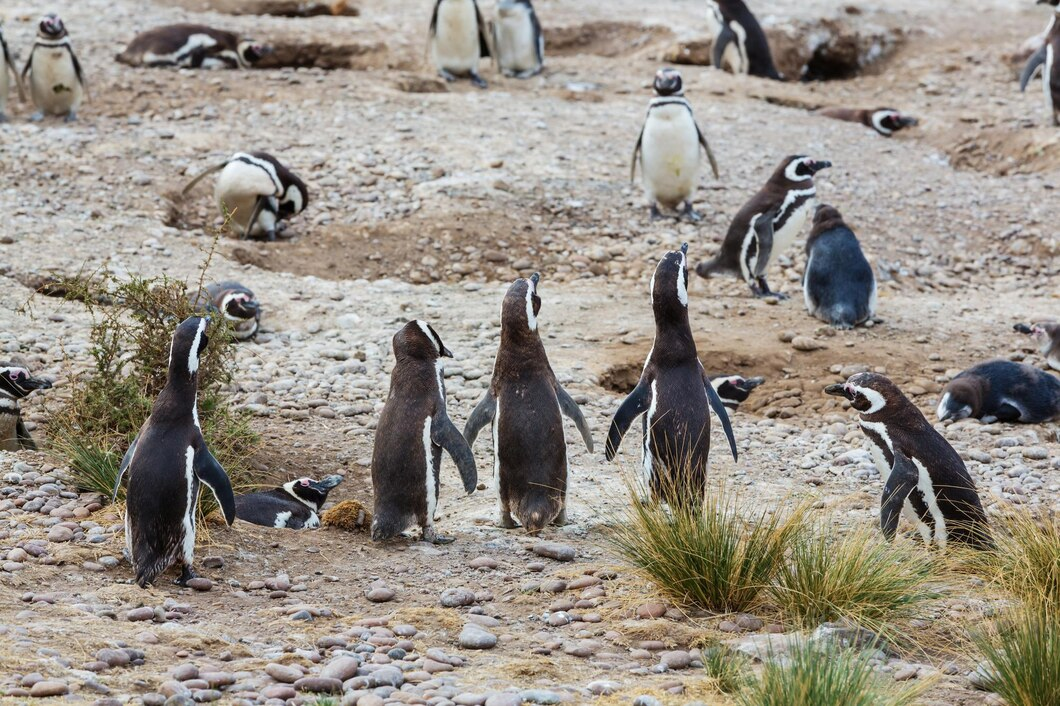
(1002, 391)
(734, 389)
(885, 121)
(191, 46)
(1047, 335)
(295, 504)
(237, 303)
(16, 383)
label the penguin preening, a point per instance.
(838, 285)
(525, 404)
(1047, 335)
(7, 63)
(413, 430)
(733, 390)
(458, 40)
(232, 300)
(885, 121)
(15, 383)
(295, 504)
(924, 477)
(739, 42)
(676, 416)
(56, 82)
(1047, 59)
(192, 46)
(255, 192)
(166, 462)
(767, 224)
(668, 147)
(1002, 391)
(518, 42)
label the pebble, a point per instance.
(457, 597)
(200, 583)
(603, 688)
(677, 659)
(646, 701)
(284, 673)
(651, 610)
(540, 696)
(319, 685)
(473, 637)
(555, 550)
(341, 668)
(138, 614)
(380, 594)
(49, 687)
(58, 533)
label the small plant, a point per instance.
(727, 668)
(1027, 561)
(1024, 657)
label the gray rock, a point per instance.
(603, 688)
(540, 696)
(319, 685)
(49, 687)
(555, 550)
(473, 637)
(341, 668)
(646, 701)
(457, 597)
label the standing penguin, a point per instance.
(56, 82)
(1047, 335)
(674, 395)
(733, 390)
(839, 286)
(255, 192)
(412, 431)
(767, 224)
(235, 302)
(518, 43)
(16, 383)
(295, 504)
(739, 41)
(166, 462)
(1047, 58)
(668, 147)
(458, 40)
(1002, 391)
(191, 46)
(5, 78)
(885, 121)
(923, 476)
(525, 404)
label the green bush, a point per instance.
(730, 670)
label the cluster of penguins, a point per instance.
(524, 405)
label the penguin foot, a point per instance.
(70, 117)
(529, 73)
(561, 518)
(186, 574)
(36, 117)
(432, 536)
(506, 520)
(448, 76)
(691, 213)
(478, 81)
(4, 118)
(656, 214)
(270, 236)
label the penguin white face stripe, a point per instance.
(944, 404)
(531, 320)
(682, 288)
(189, 506)
(875, 399)
(428, 462)
(878, 118)
(791, 171)
(427, 332)
(281, 518)
(262, 164)
(289, 487)
(294, 197)
(193, 354)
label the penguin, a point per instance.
(733, 390)
(412, 431)
(767, 224)
(1047, 335)
(525, 405)
(255, 192)
(885, 121)
(668, 147)
(458, 40)
(739, 41)
(166, 462)
(16, 383)
(1002, 391)
(838, 285)
(676, 419)
(924, 478)
(235, 302)
(1047, 58)
(518, 43)
(7, 63)
(295, 504)
(56, 82)
(191, 46)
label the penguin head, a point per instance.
(669, 285)
(418, 339)
(825, 218)
(295, 198)
(887, 121)
(16, 382)
(796, 168)
(240, 306)
(251, 52)
(962, 398)
(189, 342)
(668, 82)
(521, 306)
(869, 393)
(312, 492)
(734, 389)
(51, 26)
(1044, 333)
(507, 7)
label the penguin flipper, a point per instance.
(255, 213)
(1032, 66)
(14, 71)
(483, 35)
(636, 154)
(710, 152)
(191, 184)
(25, 69)
(724, 38)
(126, 460)
(22, 435)
(539, 46)
(213, 476)
(763, 227)
(569, 407)
(80, 74)
(483, 415)
(904, 477)
(632, 407)
(446, 435)
(723, 415)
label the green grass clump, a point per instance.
(1024, 657)
(729, 669)
(1027, 561)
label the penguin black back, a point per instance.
(1002, 391)
(15, 384)
(839, 286)
(752, 46)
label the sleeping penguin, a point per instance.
(1002, 391)
(295, 504)
(733, 390)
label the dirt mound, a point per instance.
(280, 8)
(608, 39)
(321, 55)
(1006, 150)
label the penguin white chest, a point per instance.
(1047, 83)
(456, 41)
(670, 154)
(516, 45)
(784, 236)
(53, 81)
(238, 188)
(5, 87)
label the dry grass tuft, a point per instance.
(426, 617)
(349, 515)
(1024, 656)
(1027, 561)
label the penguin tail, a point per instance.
(536, 509)
(387, 526)
(713, 266)
(148, 571)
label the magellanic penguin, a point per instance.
(232, 300)
(885, 121)
(923, 476)
(56, 82)
(16, 383)
(1047, 59)
(1002, 391)
(7, 63)
(295, 504)
(767, 224)
(733, 390)
(839, 286)
(525, 405)
(166, 462)
(255, 192)
(1047, 335)
(739, 42)
(412, 431)
(674, 395)
(518, 43)
(191, 46)
(459, 40)
(668, 147)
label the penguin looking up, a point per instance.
(7, 63)
(232, 300)
(1047, 59)
(739, 42)
(1047, 335)
(295, 504)
(518, 43)
(733, 390)
(15, 384)
(412, 431)
(885, 121)
(924, 478)
(1002, 391)
(458, 40)
(56, 82)
(767, 224)
(668, 148)
(674, 395)
(166, 462)
(838, 286)
(525, 404)
(191, 46)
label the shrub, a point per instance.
(728, 669)
(1024, 657)
(1027, 561)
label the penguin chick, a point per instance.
(1001, 391)
(1047, 335)
(838, 286)
(6, 63)
(885, 121)
(458, 40)
(733, 390)
(1047, 60)
(518, 42)
(15, 384)
(192, 46)
(739, 42)
(56, 82)
(295, 504)
(235, 302)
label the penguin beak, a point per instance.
(327, 483)
(838, 391)
(751, 383)
(36, 384)
(446, 353)
(907, 121)
(1022, 328)
(817, 165)
(535, 278)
